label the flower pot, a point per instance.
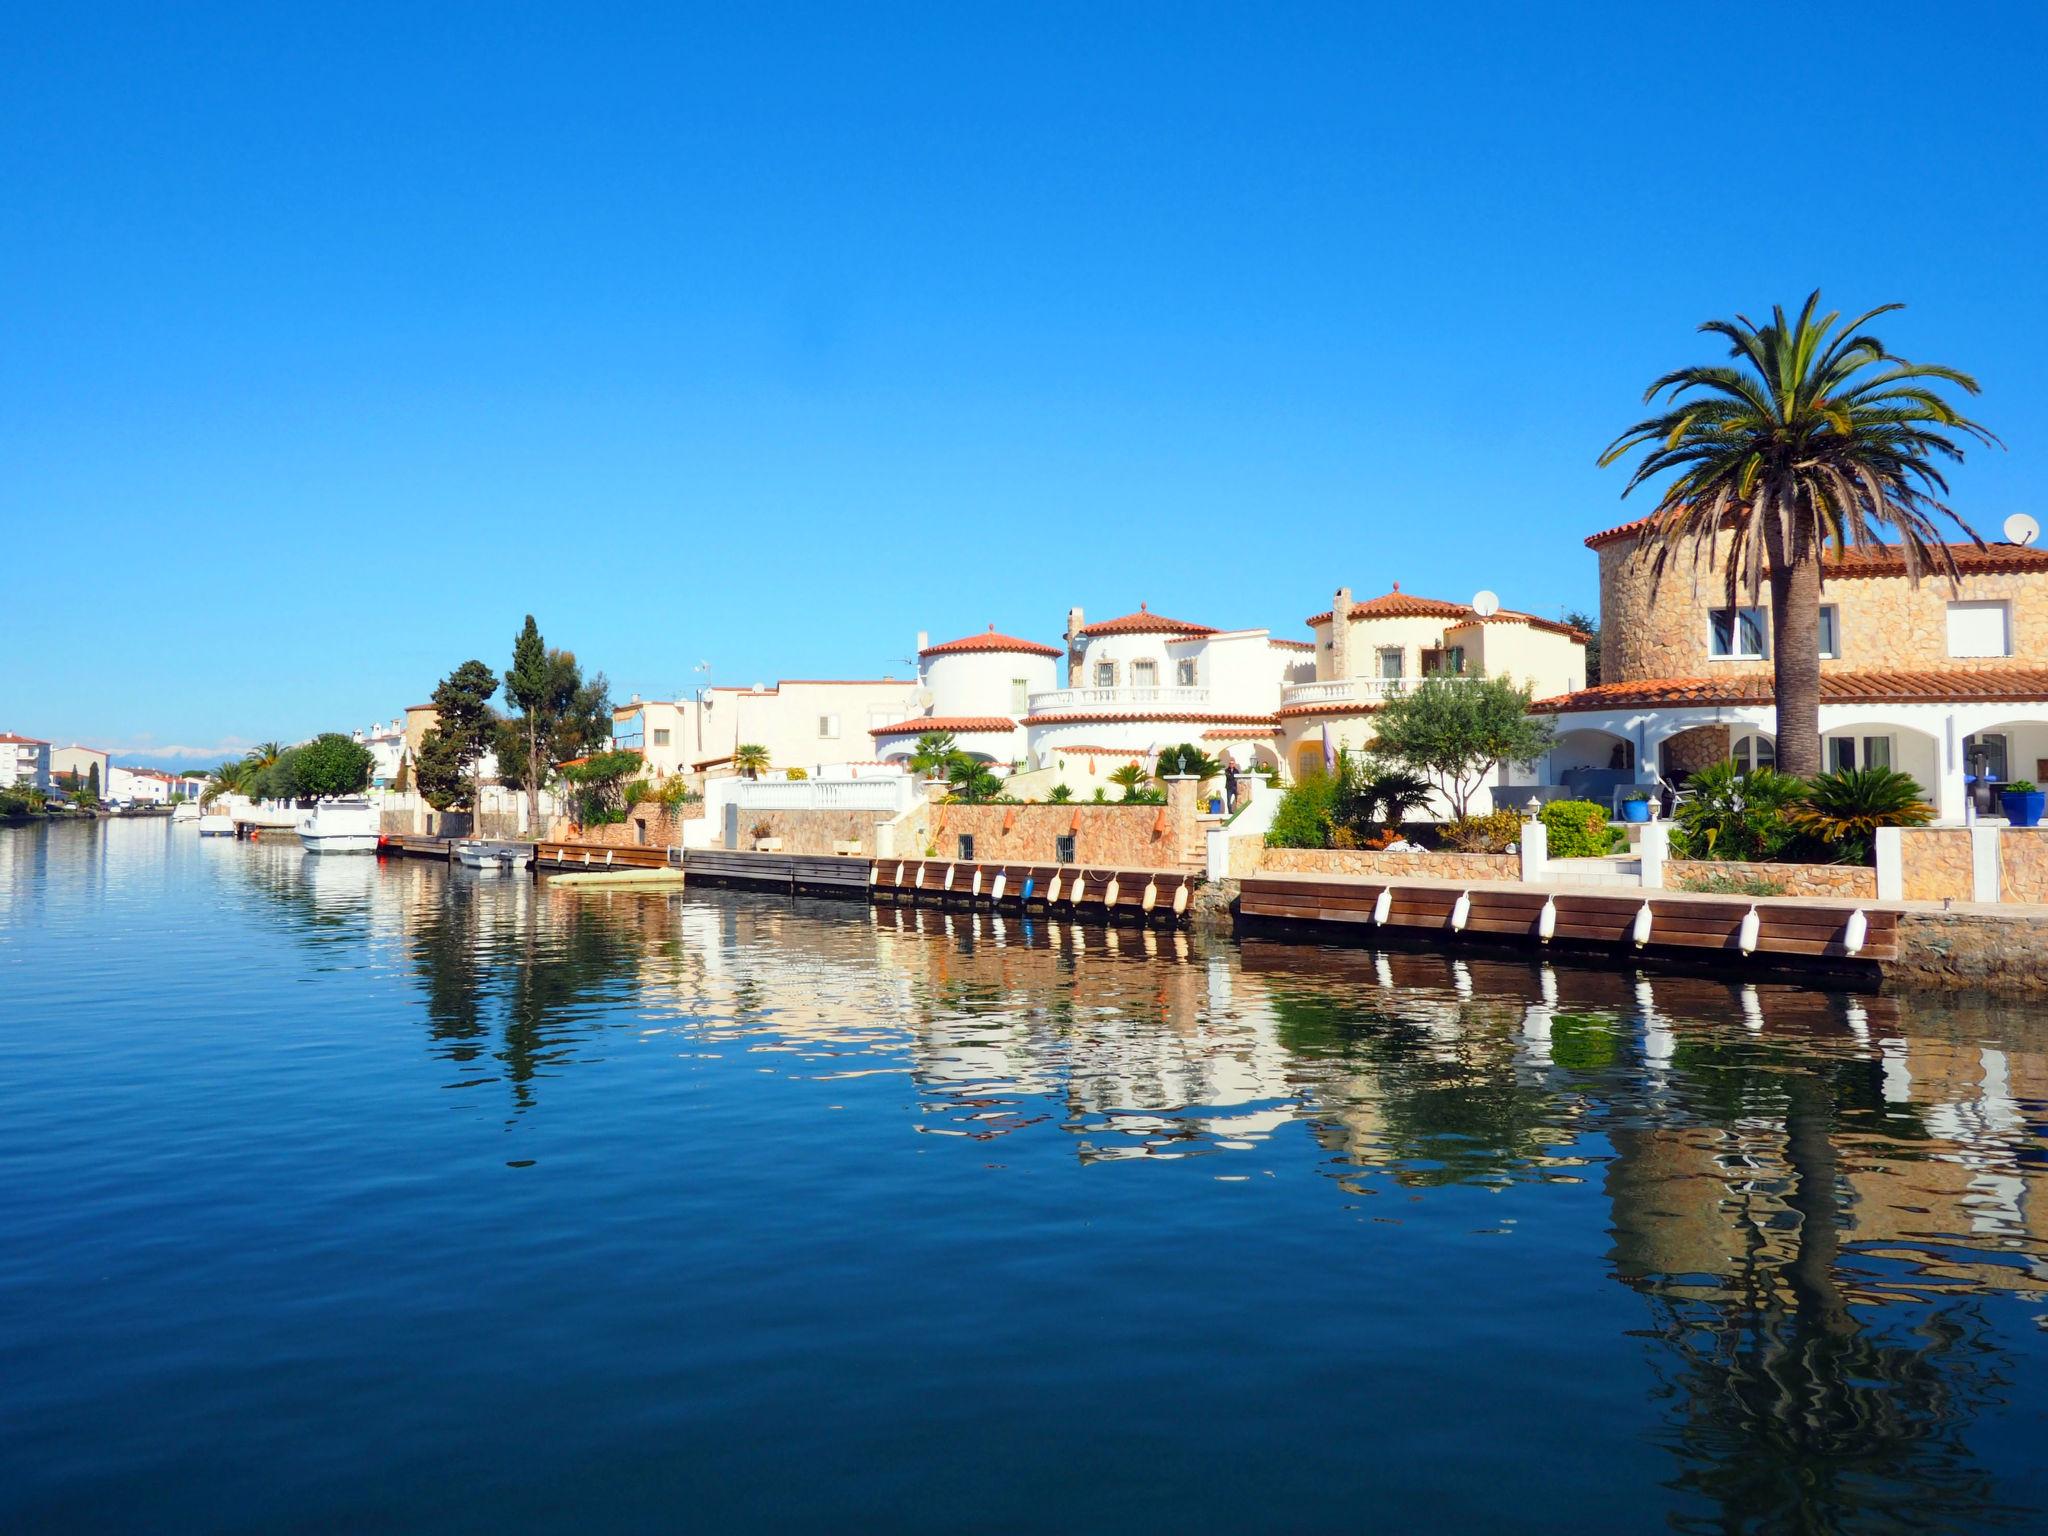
(1635, 810)
(2023, 807)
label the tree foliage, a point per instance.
(1454, 732)
(558, 714)
(750, 758)
(933, 756)
(1844, 810)
(1817, 435)
(1729, 814)
(1187, 761)
(604, 786)
(331, 764)
(971, 781)
(1589, 626)
(452, 753)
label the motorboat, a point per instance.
(490, 857)
(184, 812)
(347, 825)
(216, 824)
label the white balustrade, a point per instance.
(1359, 690)
(1058, 699)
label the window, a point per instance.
(881, 717)
(1020, 695)
(1063, 848)
(1979, 629)
(828, 727)
(661, 736)
(1184, 672)
(1105, 674)
(1737, 634)
(1830, 632)
(1393, 661)
(1848, 752)
(1752, 752)
(1444, 661)
(1144, 674)
(966, 847)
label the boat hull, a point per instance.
(340, 842)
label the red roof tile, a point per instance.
(953, 723)
(1196, 717)
(1130, 752)
(1145, 622)
(1886, 559)
(1990, 685)
(1405, 605)
(1292, 645)
(990, 641)
(22, 741)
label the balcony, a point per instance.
(1111, 701)
(1365, 692)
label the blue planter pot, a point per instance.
(2023, 809)
(1635, 810)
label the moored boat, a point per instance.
(340, 826)
(492, 857)
(184, 811)
(216, 824)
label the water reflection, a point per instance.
(1831, 1208)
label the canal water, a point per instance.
(347, 1195)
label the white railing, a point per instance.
(1118, 698)
(894, 794)
(1357, 690)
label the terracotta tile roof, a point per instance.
(1886, 559)
(1146, 622)
(1406, 605)
(1333, 707)
(1989, 686)
(1293, 645)
(1238, 733)
(1130, 752)
(23, 741)
(1192, 717)
(990, 641)
(954, 723)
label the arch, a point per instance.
(1308, 759)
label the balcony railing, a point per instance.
(1359, 690)
(1111, 699)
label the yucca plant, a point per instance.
(971, 781)
(1844, 810)
(750, 758)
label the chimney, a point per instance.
(1076, 647)
(924, 639)
(1340, 633)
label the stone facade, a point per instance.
(1360, 861)
(1853, 882)
(1884, 623)
(1936, 863)
(1994, 951)
(1701, 747)
(1105, 836)
(2023, 865)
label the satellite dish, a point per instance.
(2021, 529)
(1485, 604)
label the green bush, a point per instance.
(1729, 814)
(1578, 829)
(2020, 787)
(1842, 811)
(1305, 817)
(1491, 833)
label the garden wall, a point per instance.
(1360, 861)
(1936, 862)
(1854, 882)
(1105, 836)
(2023, 864)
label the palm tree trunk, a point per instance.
(1795, 649)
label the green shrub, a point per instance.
(1842, 811)
(1729, 814)
(1060, 795)
(2020, 787)
(1305, 817)
(1491, 833)
(1578, 829)
(1721, 883)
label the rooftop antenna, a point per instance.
(1485, 603)
(2021, 529)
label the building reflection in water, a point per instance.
(1817, 1196)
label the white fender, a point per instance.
(608, 858)
(975, 888)
(1109, 896)
(1080, 889)
(1461, 911)
(918, 883)
(1855, 931)
(1383, 906)
(995, 891)
(1052, 892)
(1641, 931)
(1151, 898)
(899, 871)
(1180, 898)
(947, 883)
(1546, 920)
(874, 874)
(1751, 924)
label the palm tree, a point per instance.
(972, 782)
(1816, 436)
(228, 779)
(750, 758)
(1188, 760)
(263, 754)
(1130, 777)
(934, 755)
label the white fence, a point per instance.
(894, 794)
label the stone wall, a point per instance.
(2023, 864)
(1360, 861)
(1105, 836)
(1853, 882)
(1885, 624)
(1935, 862)
(1987, 949)
(1701, 747)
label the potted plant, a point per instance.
(764, 839)
(1635, 805)
(2023, 803)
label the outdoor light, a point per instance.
(1533, 807)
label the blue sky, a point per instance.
(770, 335)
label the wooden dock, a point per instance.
(1787, 934)
(828, 873)
(588, 856)
(411, 845)
(1152, 894)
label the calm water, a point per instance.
(338, 1195)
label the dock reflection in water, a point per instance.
(1671, 1251)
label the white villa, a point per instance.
(813, 724)
(24, 760)
(978, 689)
(1143, 681)
(1948, 683)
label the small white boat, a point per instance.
(216, 824)
(340, 826)
(184, 812)
(493, 858)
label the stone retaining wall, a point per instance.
(1105, 836)
(1854, 882)
(1936, 862)
(1994, 951)
(2023, 865)
(1392, 866)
